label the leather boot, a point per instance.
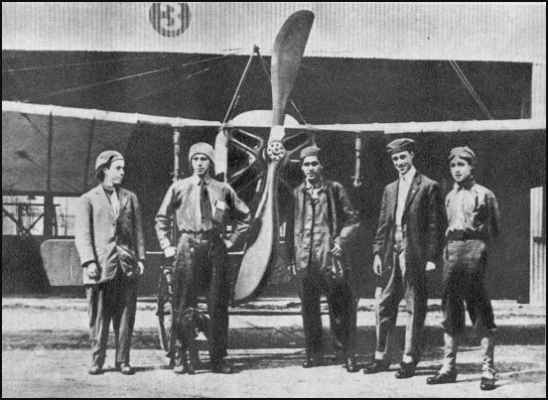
(312, 360)
(188, 364)
(179, 367)
(351, 365)
(488, 375)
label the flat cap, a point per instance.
(399, 145)
(310, 151)
(201, 148)
(464, 152)
(107, 156)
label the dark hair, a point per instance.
(312, 155)
(100, 173)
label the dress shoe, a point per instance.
(351, 365)
(376, 366)
(127, 369)
(95, 370)
(179, 369)
(222, 367)
(444, 377)
(407, 370)
(312, 361)
(487, 384)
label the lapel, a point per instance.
(103, 201)
(300, 201)
(412, 191)
(393, 199)
(123, 197)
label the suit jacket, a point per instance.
(423, 224)
(98, 232)
(343, 220)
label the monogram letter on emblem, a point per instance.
(169, 19)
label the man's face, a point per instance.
(115, 173)
(403, 161)
(312, 169)
(200, 164)
(460, 169)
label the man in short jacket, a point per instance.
(324, 222)
(109, 240)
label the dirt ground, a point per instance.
(45, 353)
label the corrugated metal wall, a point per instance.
(465, 31)
(537, 289)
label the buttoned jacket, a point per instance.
(343, 224)
(423, 223)
(98, 231)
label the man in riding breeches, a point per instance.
(201, 206)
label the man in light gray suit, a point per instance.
(109, 240)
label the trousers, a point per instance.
(116, 301)
(342, 310)
(202, 267)
(388, 299)
(464, 266)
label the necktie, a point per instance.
(205, 205)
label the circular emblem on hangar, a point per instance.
(169, 19)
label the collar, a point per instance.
(320, 185)
(467, 184)
(110, 190)
(409, 175)
(196, 179)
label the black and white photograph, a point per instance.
(278, 199)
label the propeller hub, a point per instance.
(275, 150)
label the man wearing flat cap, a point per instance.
(324, 222)
(202, 207)
(473, 223)
(109, 240)
(407, 243)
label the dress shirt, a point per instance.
(404, 185)
(183, 200)
(472, 208)
(114, 200)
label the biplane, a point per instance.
(49, 149)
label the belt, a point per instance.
(457, 235)
(201, 232)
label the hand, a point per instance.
(430, 266)
(377, 265)
(337, 251)
(292, 268)
(141, 267)
(170, 252)
(228, 243)
(93, 270)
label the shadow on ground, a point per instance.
(260, 338)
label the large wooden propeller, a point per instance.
(286, 59)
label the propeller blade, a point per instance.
(260, 254)
(286, 59)
(221, 153)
